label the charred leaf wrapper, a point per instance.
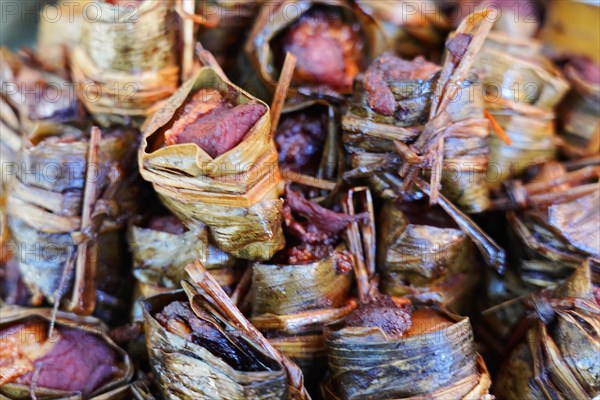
(21, 327)
(423, 255)
(128, 59)
(558, 353)
(235, 194)
(197, 366)
(369, 138)
(45, 212)
(159, 258)
(274, 24)
(367, 362)
(292, 303)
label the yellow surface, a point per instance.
(573, 27)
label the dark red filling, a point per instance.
(329, 50)
(300, 140)
(312, 231)
(73, 360)
(167, 223)
(388, 68)
(213, 123)
(179, 319)
(381, 312)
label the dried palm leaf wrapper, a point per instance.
(386, 351)
(31, 99)
(521, 95)
(127, 59)
(66, 205)
(333, 40)
(309, 146)
(515, 27)
(423, 255)
(196, 353)
(210, 157)
(135, 391)
(36, 345)
(11, 137)
(554, 221)
(214, 294)
(578, 118)
(570, 28)
(522, 88)
(414, 28)
(304, 286)
(232, 20)
(521, 18)
(413, 118)
(557, 355)
(163, 246)
(60, 29)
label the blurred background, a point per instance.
(18, 22)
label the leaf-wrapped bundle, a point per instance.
(234, 193)
(233, 21)
(333, 40)
(47, 208)
(423, 255)
(141, 68)
(201, 365)
(554, 235)
(557, 355)
(521, 89)
(413, 30)
(371, 128)
(577, 115)
(97, 365)
(434, 358)
(163, 247)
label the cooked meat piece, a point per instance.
(72, 360)
(168, 224)
(457, 46)
(381, 312)
(320, 220)
(179, 319)
(329, 49)
(306, 253)
(213, 123)
(387, 68)
(300, 140)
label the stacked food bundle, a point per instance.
(418, 117)
(322, 235)
(578, 117)
(412, 28)
(522, 88)
(126, 61)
